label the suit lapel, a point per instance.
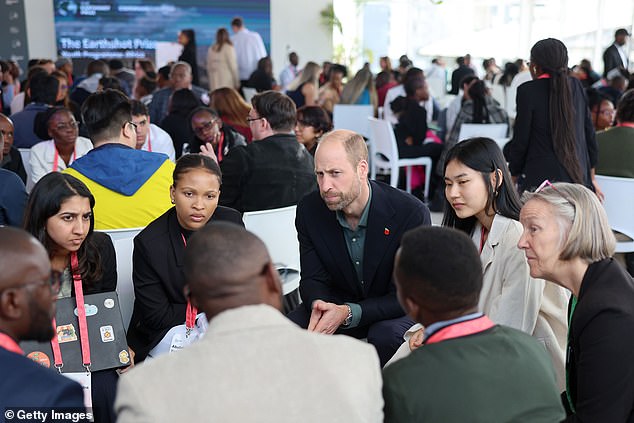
(176, 238)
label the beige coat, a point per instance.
(512, 298)
(254, 365)
(222, 68)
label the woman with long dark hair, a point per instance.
(158, 276)
(482, 202)
(553, 137)
(187, 38)
(60, 215)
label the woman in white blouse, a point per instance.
(64, 147)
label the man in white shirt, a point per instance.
(249, 49)
(290, 72)
(399, 91)
(150, 137)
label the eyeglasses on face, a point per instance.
(250, 119)
(67, 125)
(134, 125)
(205, 126)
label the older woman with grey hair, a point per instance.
(567, 240)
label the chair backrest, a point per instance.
(249, 93)
(353, 117)
(490, 130)
(384, 151)
(619, 202)
(276, 228)
(25, 153)
(123, 241)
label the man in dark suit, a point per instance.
(615, 56)
(27, 307)
(467, 366)
(348, 234)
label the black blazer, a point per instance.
(159, 279)
(530, 153)
(611, 60)
(600, 361)
(327, 272)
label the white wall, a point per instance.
(295, 26)
(40, 29)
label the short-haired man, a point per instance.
(615, 56)
(180, 77)
(274, 170)
(150, 137)
(291, 71)
(95, 70)
(249, 49)
(27, 307)
(12, 159)
(131, 187)
(348, 234)
(42, 90)
(124, 75)
(467, 366)
(284, 374)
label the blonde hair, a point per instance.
(584, 228)
(354, 88)
(309, 74)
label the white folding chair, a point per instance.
(353, 117)
(123, 240)
(385, 156)
(495, 131)
(249, 93)
(619, 206)
(276, 228)
(25, 153)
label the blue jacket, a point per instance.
(12, 199)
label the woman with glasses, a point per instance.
(312, 123)
(482, 202)
(208, 128)
(553, 137)
(64, 144)
(158, 277)
(60, 215)
(567, 240)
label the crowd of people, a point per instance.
(515, 309)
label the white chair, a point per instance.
(353, 117)
(249, 93)
(619, 206)
(385, 156)
(123, 246)
(495, 131)
(276, 228)
(25, 153)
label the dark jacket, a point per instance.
(327, 273)
(531, 154)
(274, 172)
(600, 359)
(13, 198)
(232, 138)
(13, 162)
(611, 59)
(158, 279)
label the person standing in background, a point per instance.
(222, 65)
(249, 49)
(187, 38)
(290, 72)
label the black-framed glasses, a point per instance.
(205, 126)
(54, 282)
(250, 119)
(134, 125)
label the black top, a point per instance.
(189, 55)
(13, 162)
(600, 359)
(179, 129)
(158, 277)
(297, 96)
(261, 81)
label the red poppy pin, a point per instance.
(386, 231)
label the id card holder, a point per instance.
(85, 380)
(178, 342)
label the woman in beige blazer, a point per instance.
(222, 65)
(482, 201)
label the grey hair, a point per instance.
(584, 228)
(184, 64)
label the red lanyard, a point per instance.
(483, 232)
(544, 76)
(626, 124)
(190, 315)
(221, 141)
(81, 317)
(149, 140)
(56, 158)
(9, 344)
(461, 329)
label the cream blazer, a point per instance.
(222, 68)
(255, 365)
(512, 298)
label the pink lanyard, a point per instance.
(461, 329)
(81, 316)
(190, 314)
(483, 232)
(9, 344)
(149, 140)
(56, 158)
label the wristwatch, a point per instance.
(349, 318)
